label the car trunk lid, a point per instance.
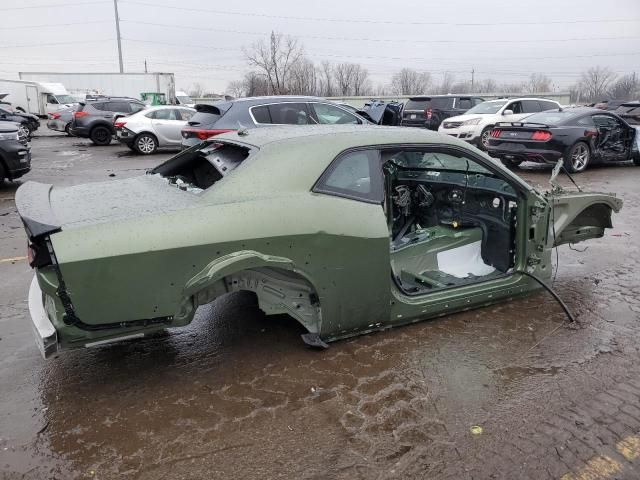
(45, 209)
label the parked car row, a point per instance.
(503, 127)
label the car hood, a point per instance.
(461, 118)
(46, 209)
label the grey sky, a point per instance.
(201, 41)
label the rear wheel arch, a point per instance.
(280, 287)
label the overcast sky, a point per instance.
(201, 41)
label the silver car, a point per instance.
(152, 128)
(60, 121)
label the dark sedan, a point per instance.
(580, 136)
(27, 121)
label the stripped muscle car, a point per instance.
(346, 229)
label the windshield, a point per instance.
(65, 99)
(487, 107)
(434, 161)
(184, 99)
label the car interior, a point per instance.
(452, 222)
(614, 137)
(197, 169)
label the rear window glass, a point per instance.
(464, 103)
(442, 103)
(418, 104)
(552, 118)
(290, 114)
(98, 105)
(201, 119)
(261, 114)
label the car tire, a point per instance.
(100, 135)
(145, 144)
(636, 158)
(510, 164)
(67, 129)
(577, 158)
(3, 174)
(483, 140)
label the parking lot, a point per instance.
(508, 391)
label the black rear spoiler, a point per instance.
(522, 124)
(219, 108)
(34, 207)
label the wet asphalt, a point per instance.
(237, 395)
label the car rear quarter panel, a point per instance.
(140, 269)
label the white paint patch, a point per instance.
(462, 261)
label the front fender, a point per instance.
(579, 216)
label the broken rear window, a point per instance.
(198, 169)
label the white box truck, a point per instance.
(38, 98)
(111, 84)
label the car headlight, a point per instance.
(9, 136)
(473, 121)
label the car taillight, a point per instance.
(79, 114)
(31, 254)
(496, 132)
(203, 134)
(540, 135)
(118, 124)
(427, 113)
(54, 116)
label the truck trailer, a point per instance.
(111, 84)
(38, 98)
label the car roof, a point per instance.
(340, 136)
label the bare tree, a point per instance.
(361, 84)
(595, 82)
(538, 83)
(488, 85)
(510, 88)
(461, 87)
(197, 90)
(447, 82)
(343, 73)
(407, 81)
(626, 87)
(275, 59)
(255, 84)
(236, 88)
(328, 89)
(303, 79)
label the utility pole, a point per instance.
(115, 6)
(145, 65)
(473, 71)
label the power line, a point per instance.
(50, 5)
(53, 44)
(20, 27)
(383, 40)
(378, 57)
(381, 22)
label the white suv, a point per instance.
(476, 124)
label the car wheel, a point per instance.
(100, 135)
(510, 164)
(67, 129)
(2, 174)
(145, 144)
(636, 158)
(484, 138)
(577, 158)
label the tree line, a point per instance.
(280, 67)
